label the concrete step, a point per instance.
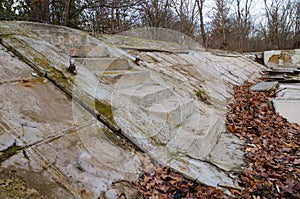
(121, 79)
(103, 64)
(288, 91)
(74, 50)
(197, 136)
(146, 95)
(173, 110)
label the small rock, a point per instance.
(72, 67)
(34, 74)
(11, 54)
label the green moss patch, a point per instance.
(157, 141)
(105, 110)
(202, 96)
(10, 151)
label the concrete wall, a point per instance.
(286, 58)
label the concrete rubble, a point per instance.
(284, 73)
(284, 58)
(89, 133)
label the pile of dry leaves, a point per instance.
(164, 183)
(272, 146)
(272, 151)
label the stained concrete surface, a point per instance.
(283, 58)
(84, 156)
(58, 149)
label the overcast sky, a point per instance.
(257, 8)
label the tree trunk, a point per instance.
(67, 16)
(203, 33)
(46, 11)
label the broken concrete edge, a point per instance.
(264, 86)
(283, 58)
(15, 148)
(221, 186)
(142, 49)
(287, 108)
(180, 162)
(58, 178)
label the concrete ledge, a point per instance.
(103, 64)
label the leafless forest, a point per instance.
(236, 25)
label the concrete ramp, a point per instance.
(171, 106)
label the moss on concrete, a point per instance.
(105, 110)
(202, 96)
(10, 151)
(157, 141)
(40, 62)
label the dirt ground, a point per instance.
(23, 184)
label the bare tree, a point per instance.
(156, 13)
(98, 16)
(280, 22)
(200, 4)
(39, 10)
(220, 24)
(297, 25)
(68, 4)
(186, 12)
(242, 23)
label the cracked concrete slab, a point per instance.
(233, 159)
(199, 84)
(12, 69)
(59, 140)
(35, 109)
(288, 108)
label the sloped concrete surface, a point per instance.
(171, 106)
(77, 153)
